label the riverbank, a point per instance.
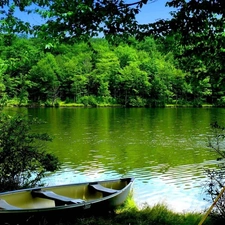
(15, 103)
(159, 215)
(129, 214)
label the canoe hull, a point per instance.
(92, 196)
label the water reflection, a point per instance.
(164, 149)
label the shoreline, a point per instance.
(76, 105)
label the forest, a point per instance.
(178, 61)
(133, 74)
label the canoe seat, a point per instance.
(59, 199)
(100, 188)
(7, 206)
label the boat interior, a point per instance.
(59, 195)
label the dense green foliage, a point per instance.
(71, 20)
(196, 30)
(192, 41)
(23, 159)
(139, 74)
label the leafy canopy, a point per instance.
(196, 21)
(74, 19)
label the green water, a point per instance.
(164, 149)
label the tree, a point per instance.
(75, 72)
(23, 160)
(199, 28)
(3, 67)
(131, 82)
(105, 68)
(72, 20)
(135, 84)
(45, 78)
(19, 58)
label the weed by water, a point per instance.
(129, 214)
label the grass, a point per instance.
(129, 214)
(157, 215)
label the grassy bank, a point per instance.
(16, 103)
(158, 214)
(129, 214)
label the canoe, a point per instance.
(65, 199)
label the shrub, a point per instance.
(137, 102)
(216, 176)
(220, 102)
(88, 100)
(23, 160)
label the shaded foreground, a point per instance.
(159, 215)
(127, 214)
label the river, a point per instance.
(165, 149)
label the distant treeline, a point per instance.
(139, 74)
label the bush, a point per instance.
(23, 160)
(48, 103)
(220, 102)
(216, 176)
(137, 102)
(88, 100)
